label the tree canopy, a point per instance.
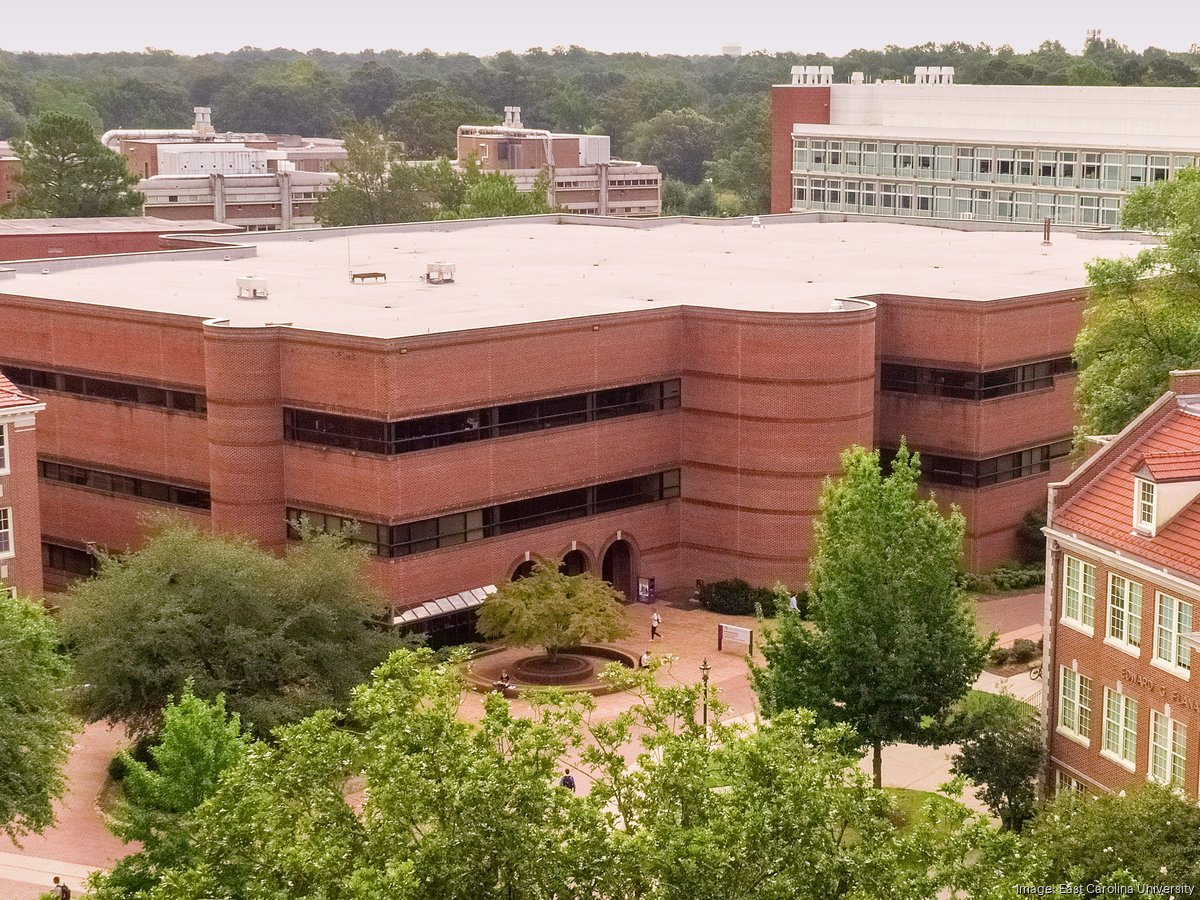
(35, 727)
(1143, 316)
(413, 802)
(894, 643)
(279, 638)
(553, 610)
(65, 172)
(198, 742)
(423, 97)
(1000, 750)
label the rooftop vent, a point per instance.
(837, 306)
(251, 288)
(812, 75)
(512, 116)
(439, 273)
(933, 75)
(756, 222)
(203, 123)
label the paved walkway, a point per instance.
(79, 842)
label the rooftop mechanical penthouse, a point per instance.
(650, 400)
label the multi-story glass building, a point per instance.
(998, 153)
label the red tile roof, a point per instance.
(1102, 511)
(1179, 466)
(11, 396)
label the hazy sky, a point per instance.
(485, 26)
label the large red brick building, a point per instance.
(1123, 582)
(650, 399)
(20, 527)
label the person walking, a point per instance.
(60, 891)
(655, 622)
(567, 781)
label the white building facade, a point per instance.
(1005, 153)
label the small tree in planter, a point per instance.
(551, 610)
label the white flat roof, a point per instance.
(521, 271)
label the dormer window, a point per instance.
(1144, 502)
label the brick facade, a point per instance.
(1091, 523)
(20, 541)
(790, 105)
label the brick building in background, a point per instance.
(20, 522)
(651, 400)
(1123, 589)
(584, 178)
(1005, 153)
(103, 235)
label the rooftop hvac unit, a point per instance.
(251, 288)
(439, 273)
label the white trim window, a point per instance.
(1168, 750)
(1067, 784)
(1144, 503)
(6, 532)
(1075, 704)
(1079, 593)
(1120, 729)
(4, 467)
(1172, 624)
(1125, 612)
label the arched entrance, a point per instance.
(574, 563)
(524, 570)
(617, 568)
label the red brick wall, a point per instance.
(19, 491)
(8, 170)
(790, 105)
(769, 404)
(1153, 687)
(45, 246)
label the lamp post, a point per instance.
(705, 668)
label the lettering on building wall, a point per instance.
(1165, 692)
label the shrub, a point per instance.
(116, 767)
(999, 656)
(735, 597)
(1011, 578)
(977, 584)
(1023, 650)
(1004, 578)
(1031, 543)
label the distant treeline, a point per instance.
(694, 116)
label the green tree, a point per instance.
(454, 810)
(299, 97)
(376, 185)
(372, 89)
(492, 194)
(1149, 836)
(278, 637)
(427, 123)
(1001, 751)
(894, 644)
(1143, 316)
(413, 802)
(199, 741)
(553, 610)
(678, 142)
(35, 728)
(65, 172)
